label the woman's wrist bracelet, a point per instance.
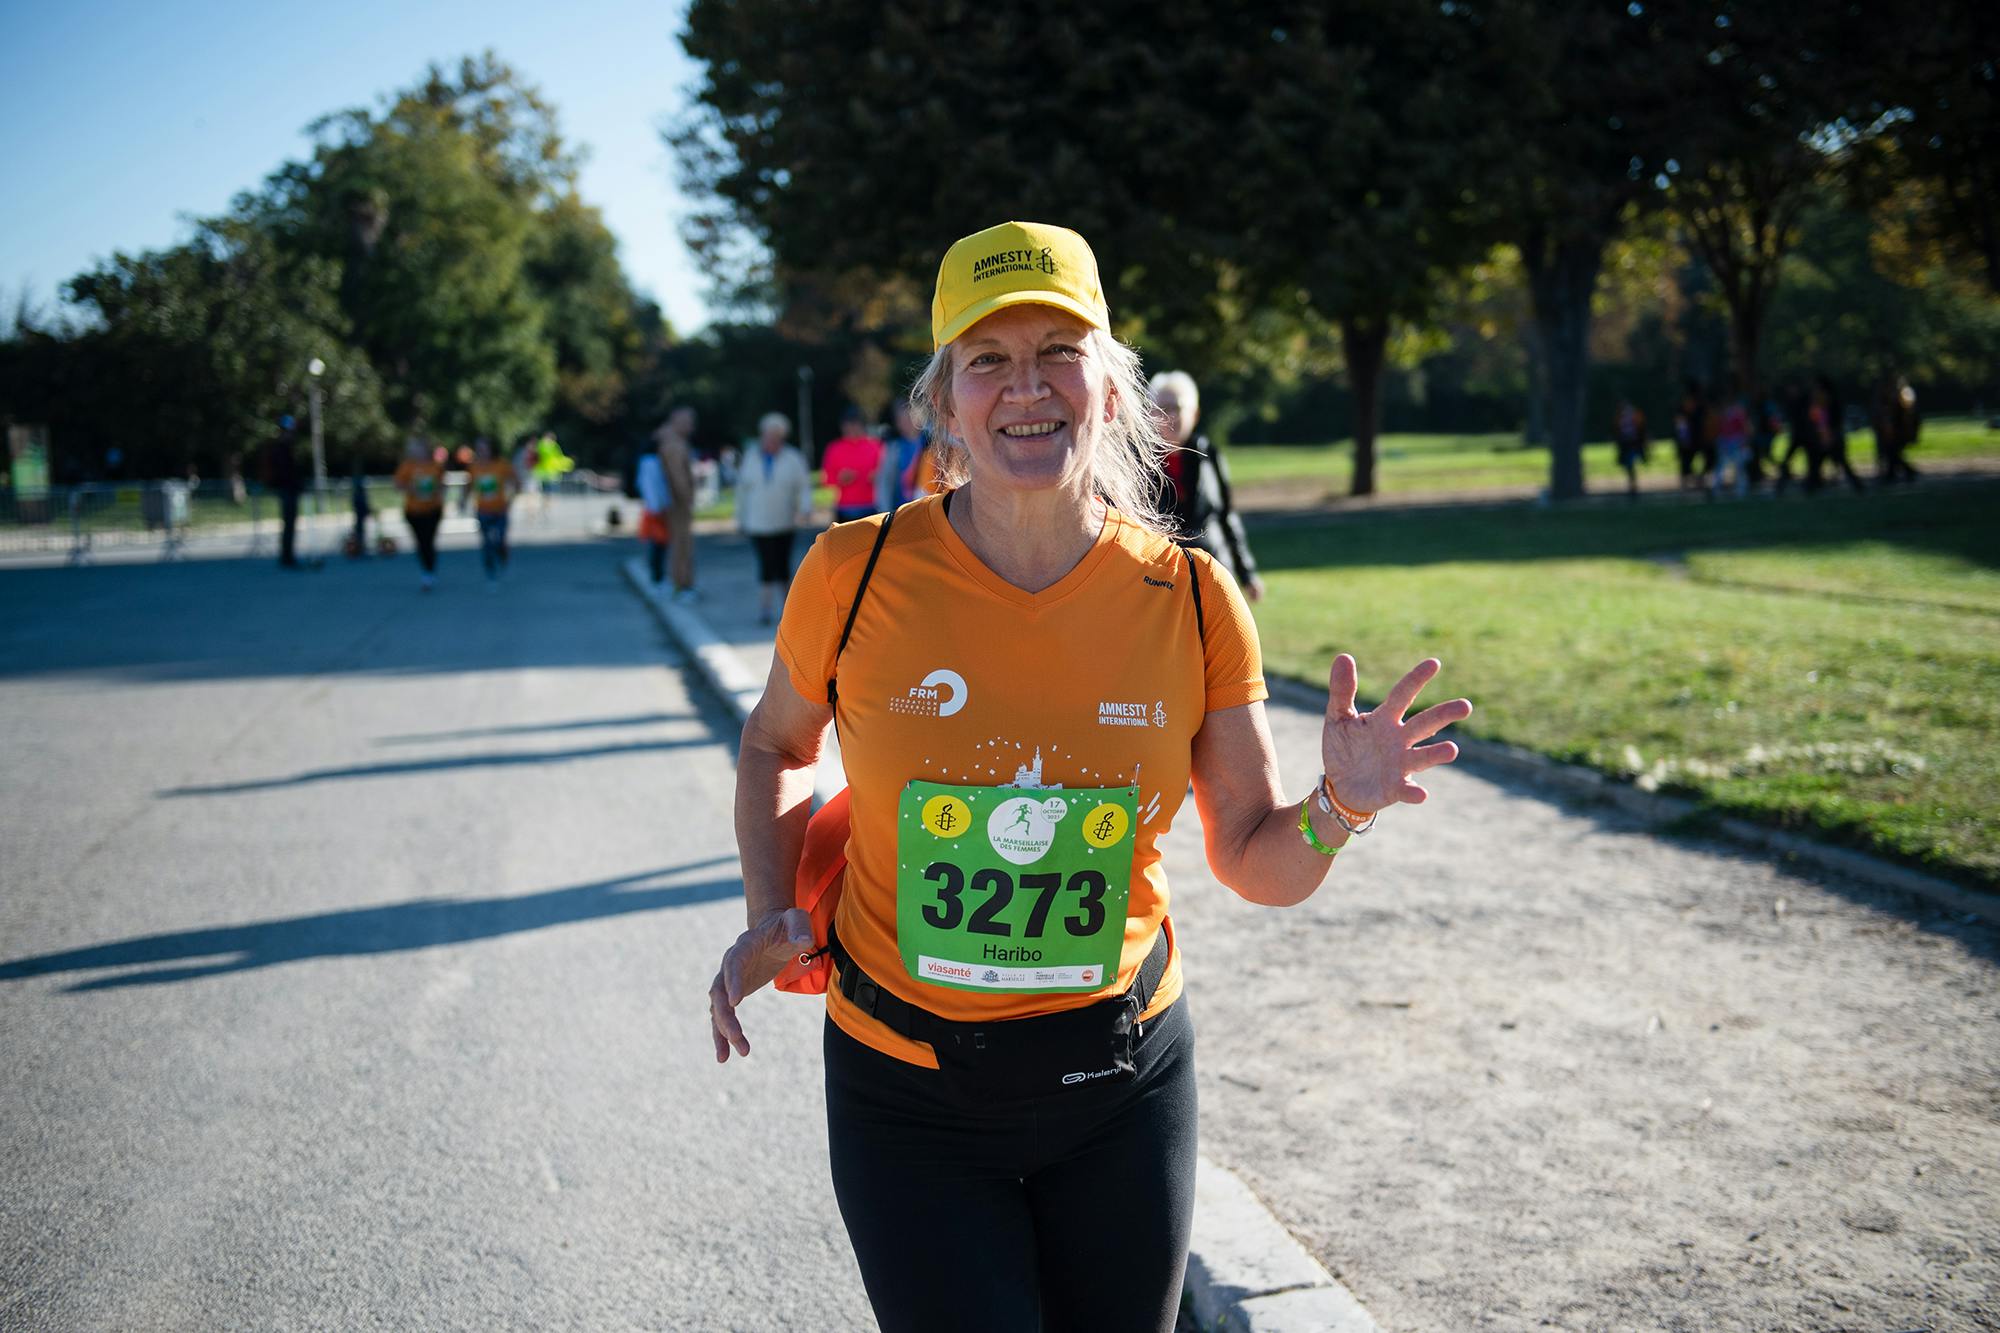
(1354, 821)
(1306, 831)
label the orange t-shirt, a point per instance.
(954, 675)
(492, 486)
(422, 485)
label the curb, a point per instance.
(1574, 780)
(1245, 1273)
(719, 667)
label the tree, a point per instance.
(1240, 183)
(849, 185)
(603, 336)
(1357, 176)
(193, 353)
(1866, 295)
(1588, 95)
(430, 207)
(1939, 109)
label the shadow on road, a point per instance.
(564, 605)
(393, 928)
(512, 759)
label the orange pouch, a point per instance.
(816, 892)
(653, 528)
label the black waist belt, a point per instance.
(920, 1024)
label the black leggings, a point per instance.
(424, 527)
(1057, 1213)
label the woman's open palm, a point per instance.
(1372, 758)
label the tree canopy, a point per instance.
(432, 252)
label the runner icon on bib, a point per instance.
(1001, 890)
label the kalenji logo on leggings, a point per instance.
(1083, 1078)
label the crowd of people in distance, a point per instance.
(492, 483)
(1732, 440)
(872, 470)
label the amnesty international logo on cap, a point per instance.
(1016, 263)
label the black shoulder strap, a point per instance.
(1194, 583)
(867, 572)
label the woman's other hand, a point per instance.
(752, 963)
(1372, 758)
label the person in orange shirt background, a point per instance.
(492, 484)
(1025, 686)
(850, 464)
(420, 478)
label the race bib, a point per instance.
(1014, 889)
(489, 485)
(426, 486)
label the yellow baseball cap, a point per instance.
(1016, 263)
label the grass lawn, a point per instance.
(1831, 663)
(1410, 463)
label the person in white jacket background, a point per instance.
(773, 501)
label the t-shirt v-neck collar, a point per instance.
(1107, 537)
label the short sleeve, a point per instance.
(809, 629)
(1233, 657)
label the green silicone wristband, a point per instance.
(1306, 831)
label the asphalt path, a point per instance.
(353, 945)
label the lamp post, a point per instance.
(806, 411)
(316, 368)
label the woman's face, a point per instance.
(1028, 399)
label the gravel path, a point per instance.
(1522, 1065)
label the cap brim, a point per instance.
(979, 310)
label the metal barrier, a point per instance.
(168, 516)
(173, 517)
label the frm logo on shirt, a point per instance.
(940, 694)
(1112, 713)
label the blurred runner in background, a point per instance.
(421, 480)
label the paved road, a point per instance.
(350, 955)
(1530, 1065)
(352, 950)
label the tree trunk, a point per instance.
(1363, 340)
(1562, 274)
(1537, 429)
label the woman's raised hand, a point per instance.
(1371, 758)
(753, 962)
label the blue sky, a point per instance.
(119, 119)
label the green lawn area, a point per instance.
(1830, 663)
(1412, 463)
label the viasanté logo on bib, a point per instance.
(940, 694)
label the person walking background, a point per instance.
(1829, 419)
(1732, 447)
(899, 453)
(1896, 428)
(285, 478)
(674, 449)
(1198, 497)
(655, 508)
(773, 501)
(420, 478)
(1628, 430)
(850, 463)
(492, 484)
